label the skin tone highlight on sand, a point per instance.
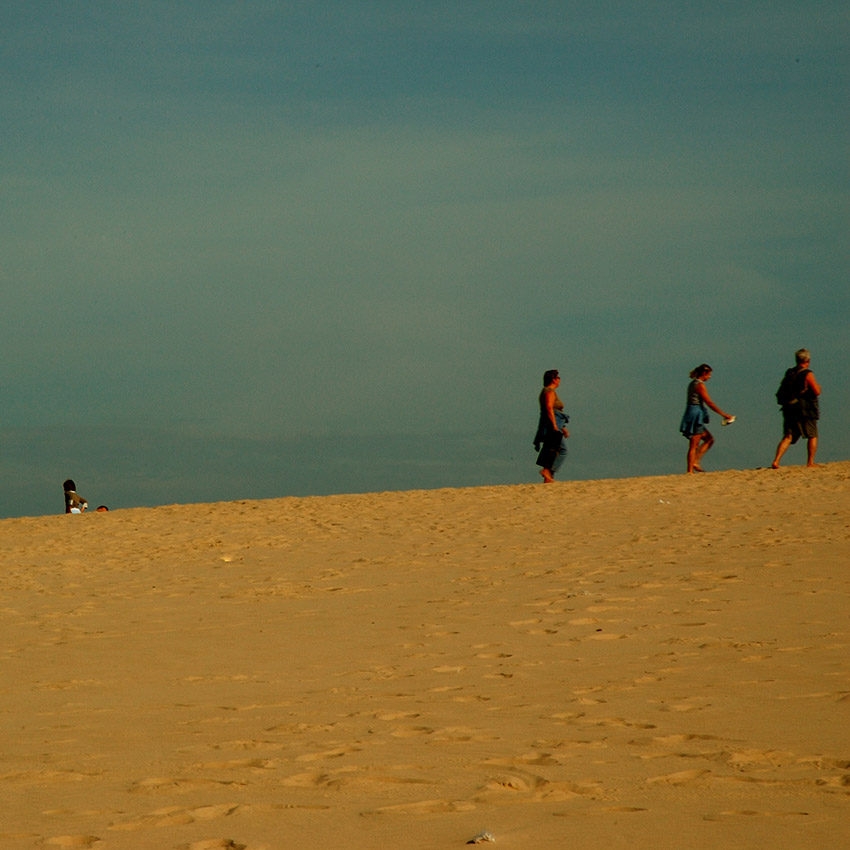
(636, 663)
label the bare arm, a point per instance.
(812, 384)
(550, 408)
(703, 394)
(550, 412)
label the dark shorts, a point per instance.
(795, 426)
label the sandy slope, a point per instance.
(645, 663)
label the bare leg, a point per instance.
(693, 442)
(813, 447)
(547, 476)
(781, 449)
(707, 443)
(698, 445)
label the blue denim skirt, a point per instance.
(694, 420)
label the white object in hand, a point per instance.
(729, 421)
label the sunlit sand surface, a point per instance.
(645, 663)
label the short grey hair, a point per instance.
(803, 356)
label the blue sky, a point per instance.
(285, 248)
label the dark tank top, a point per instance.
(557, 404)
(693, 395)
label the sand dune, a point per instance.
(646, 663)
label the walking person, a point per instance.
(696, 418)
(798, 396)
(551, 428)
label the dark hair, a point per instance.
(548, 376)
(704, 369)
(69, 485)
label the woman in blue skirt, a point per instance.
(696, 418)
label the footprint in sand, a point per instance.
(679, 739)
(748, 758)
(88, 813)
(411, 731)
(425, 807)
(210, 812)
(247, 745)
(463, 734)
(336, 753)
(47, 776)
(67, 684)
(305, 780)
(73, 841)
(172, 816)
(528, 787)
(176, 783)
(527, 759)
(400, 715)
(238, 764)
(826, 763)
(176, 816)
(348, 779)
(681, 777)
(618, 721)
(719, 816)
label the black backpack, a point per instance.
(791, 387)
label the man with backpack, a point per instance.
(798, 396)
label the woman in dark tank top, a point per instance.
(551, 428)
(696, 417)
